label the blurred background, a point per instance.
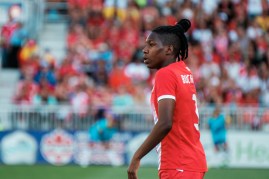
(74, 90)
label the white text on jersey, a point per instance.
(187, 79)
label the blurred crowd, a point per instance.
(103, 66)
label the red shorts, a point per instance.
(178, 174)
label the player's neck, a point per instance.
(168, 62)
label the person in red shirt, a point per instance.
(176, 133)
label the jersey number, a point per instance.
(196, 125)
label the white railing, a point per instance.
(132, 118)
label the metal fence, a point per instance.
(44, 118)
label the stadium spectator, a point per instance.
(115, 9)
(78, 11)
(45, 73)
(209, 68)
(100, 73)
(45, 93)
(204, 35)
(263, 20)
(264, 85)
(26, 90)
(77, 36)
(249, 84)
(218, 127)
(101, 97)
(29, 49)
(6, 32)
(17, 39)
(66, 68)
(80, 100)
(104, 128)
(63, 90)
(117, 77)
(150, 17)
(254, 8)
(80, 4)
(231, 35)
(140, 95)
(122, 99)
(137, 71)
(49, 58)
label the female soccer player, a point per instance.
(176, 131)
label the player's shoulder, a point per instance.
(179, 67)
(165, 72)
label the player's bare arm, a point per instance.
(159, 131)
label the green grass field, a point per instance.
(105, 172)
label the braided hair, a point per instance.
(174, 35)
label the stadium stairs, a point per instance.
(53, 37)
(8, 84)
(55, 27)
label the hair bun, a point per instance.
(185, 24)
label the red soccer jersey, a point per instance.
(181, 149)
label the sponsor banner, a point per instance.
(57, 147)
(60, 147)
(245, 149)
(132, 145)
(18, 147)
(96, 153)
(30, 147)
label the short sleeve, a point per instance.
(165, 84)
